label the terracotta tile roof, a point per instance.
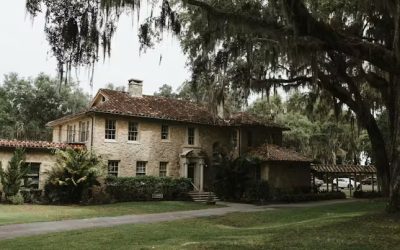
(330, 168)
(243, 119)
(67, 118)
(156, 107)
(270, 152)
(37, 144)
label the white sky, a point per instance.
(24, 50)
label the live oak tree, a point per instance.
(26, 105)
(350, 49)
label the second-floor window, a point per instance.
(249, 139)
(164, 132)
(113, 168)
(110, 129)
(70, 133)
(133, 131)
(234, 138)
(83, 131)
(191, 136)
(140, 168)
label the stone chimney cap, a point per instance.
(133, 80)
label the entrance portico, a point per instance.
(192, 167)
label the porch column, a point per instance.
(201, 165)
(184, 169)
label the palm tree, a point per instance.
(75, 172)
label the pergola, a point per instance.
(349, 171)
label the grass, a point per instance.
(12, 214)
(358, 225)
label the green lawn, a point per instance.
(358, 225)
(11, 214)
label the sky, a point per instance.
(24, 50)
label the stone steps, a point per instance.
(198, 196)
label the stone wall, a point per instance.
(150, 147)
(289, 176)
(45, 157)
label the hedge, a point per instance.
(142, 188)
(367, 195)
(312, 197)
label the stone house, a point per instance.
(137, 134)
(149, 135)
(39, 155)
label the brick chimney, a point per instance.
(135, 87)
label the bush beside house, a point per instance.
(12, 177)
(76, 172)
(143, 188)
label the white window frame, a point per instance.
(163, 169)
(235, 138)
(70, 134)
(108, 131)
(141, 168)
(133, 135)
(113, 168)
(191, 139)
(164, 133)
(83, 131)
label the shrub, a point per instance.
(100, 196)
(141, 188)
(12, 177)
(311, 197)
(367, 194)
(75, 173)
(235, 178)
(257, 191)
(16, 199)
(31, 195)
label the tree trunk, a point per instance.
(394, 197)
(379, 149)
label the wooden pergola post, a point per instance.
(337, 183)
(313, 183)
(355, 181)
(327, 182)
(350, 183)
(372, 182)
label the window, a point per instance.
(113, 168)
(164, 132)
(103, 99)
(110, 129)
(87, 130)
(83, 131)
(140, 168)
(31, 179)
(249, 139)
(163, 169)
(191, 132)
(234, 138)
(133, 131)
(70, 134)
(74, 133)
